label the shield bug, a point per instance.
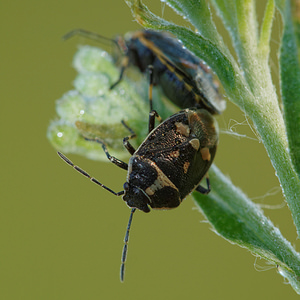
(167, 166)
(184, 78)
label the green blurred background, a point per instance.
(61, 236)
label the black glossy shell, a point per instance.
(172, 160)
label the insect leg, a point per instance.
(126, 139)
(150, 70)
(153, 113)
(84, 173)
(124, 65)
(100, 38)
(113, 159)
(202, 189)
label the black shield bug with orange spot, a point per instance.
(185, 79)
(167, 166)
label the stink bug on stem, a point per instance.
(167, 166)
(184, 78)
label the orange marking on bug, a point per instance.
(206, 68)
(160, 182)
(170, 67)
(149, 191)
(182, 129)
(166, 61)
(150, 91)
(149, 44)
(159, 54)
(186, 167)
(205, 154)
(197, 98)
(188, 87)
(175, 154)
(195, 143)
(187, 64)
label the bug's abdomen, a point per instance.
(181, 150)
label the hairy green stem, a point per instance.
(235, 217)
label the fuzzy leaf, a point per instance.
(239, 220)
(290, 83)
(198, 13)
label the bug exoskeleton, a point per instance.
(185, 79)
(172, 161)
(167, 166)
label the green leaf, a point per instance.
(290, 84)
(199, 14)
(239, 17)
(239, 220)
(266, 29)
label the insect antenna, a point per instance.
(89, 35)
(84, 173)
(125, 248)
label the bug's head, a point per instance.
(136, 197)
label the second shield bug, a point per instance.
(167, 166)
(183, 77)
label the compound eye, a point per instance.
(126, 186)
